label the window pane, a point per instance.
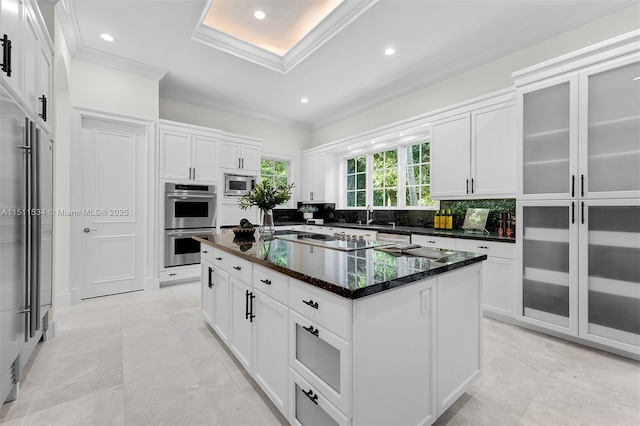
(426, 152)
(378, 178)
(391, 158)
(378, 197)
(351, 199)
(362, 164)
(351, 182)
(266, 167)
(281, 181)
(391, 178)
(361, 181)
(362, 198)
(281, 168)
(378, 160)
(425, 174)
(351, 166)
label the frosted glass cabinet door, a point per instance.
(549, 139)
(610, 121)
(548, 261)
(610, 274)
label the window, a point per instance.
(418, 175)
(276, 171)
(357, 182)
(381, 178)
(385, 178)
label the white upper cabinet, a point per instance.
(473, 154)
(187, 154)
(579, 134)
(27, 53)
(318, 178)
(239, 153)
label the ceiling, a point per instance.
(341, 69)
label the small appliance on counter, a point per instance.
(475, 221)
(315, 221)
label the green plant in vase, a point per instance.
(265, 195)
(308, 211)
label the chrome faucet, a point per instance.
(369, 214)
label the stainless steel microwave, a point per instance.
(238, 185)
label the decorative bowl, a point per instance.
(243, 231)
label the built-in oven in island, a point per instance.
(188, 210)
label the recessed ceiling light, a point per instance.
(304, 100)
(389, 51)
(637, 78)
(107, 37)
(259, 14)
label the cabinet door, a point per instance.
(11, 23)
(207, 292)
(175, 155)
(548, 149)
(221, 312)
(270, 343)
(493, 152)
(451, 157)
(309, 407)
(45, 102)
(610, 130)
(250, 158)
(31, 53)
(242, 302)
(610, 273)
(204, 159)
(547, 275)
(307, 171)
(229, 155)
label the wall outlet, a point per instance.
(425, 300)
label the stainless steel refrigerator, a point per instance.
(26, 233)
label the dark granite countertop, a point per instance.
(408, 230)
(352, 274)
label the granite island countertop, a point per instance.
(351, 275)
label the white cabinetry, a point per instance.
(241, 322)
(187, 152)
(241, 153)
(473, 153)
(436, 242)
(578, 194)
(27, 57)
(318, 174)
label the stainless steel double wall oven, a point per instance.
(188, 210)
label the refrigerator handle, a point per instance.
(32, 218)
(28, 250)
(36, 224)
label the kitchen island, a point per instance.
(347, 337)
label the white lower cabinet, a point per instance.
(435, 242)
(207, 291)
(240, 334)
(215, 297)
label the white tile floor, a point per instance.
(147, 358)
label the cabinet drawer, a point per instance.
(490, 248)
(308, 407)
(321, 358)
(271, 283)
(435, 242)
(322, 307)
(206, 253)
(233, 265)
(191, 272)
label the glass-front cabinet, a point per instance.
(580, 134)
(547, 236)
(610, 273)
(610, 130)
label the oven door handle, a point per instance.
(183, 233)
(190, 197)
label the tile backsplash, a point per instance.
(459, 210)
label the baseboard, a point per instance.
(52, 330)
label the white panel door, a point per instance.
(204, 159)
(113, 207)
(451, 157)
(176, 155)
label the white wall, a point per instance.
(110, 90)
(484, 79)
(279, 139)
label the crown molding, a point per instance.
(335, 22)
(69, 24)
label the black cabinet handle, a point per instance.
(210, 281)
(582, 213)
(573, 214)
(43, 101)
(467, 186)
(267, 282)
(312, 330)
(251, 297)
(242, 162)
(237, 268)
(582, 186)
(313, 397)
(311, 303)
(218, 258)
(6, 55)
(483, 247)
(573, 185)
(472, 185)
(246, 304)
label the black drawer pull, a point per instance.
(210, 280)
(267, 282)
(218, 258)
(313, 397)
(312, 330)
(483, 247)
(237, 268)
(204, 251)
(311, 303)
(431, 242)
